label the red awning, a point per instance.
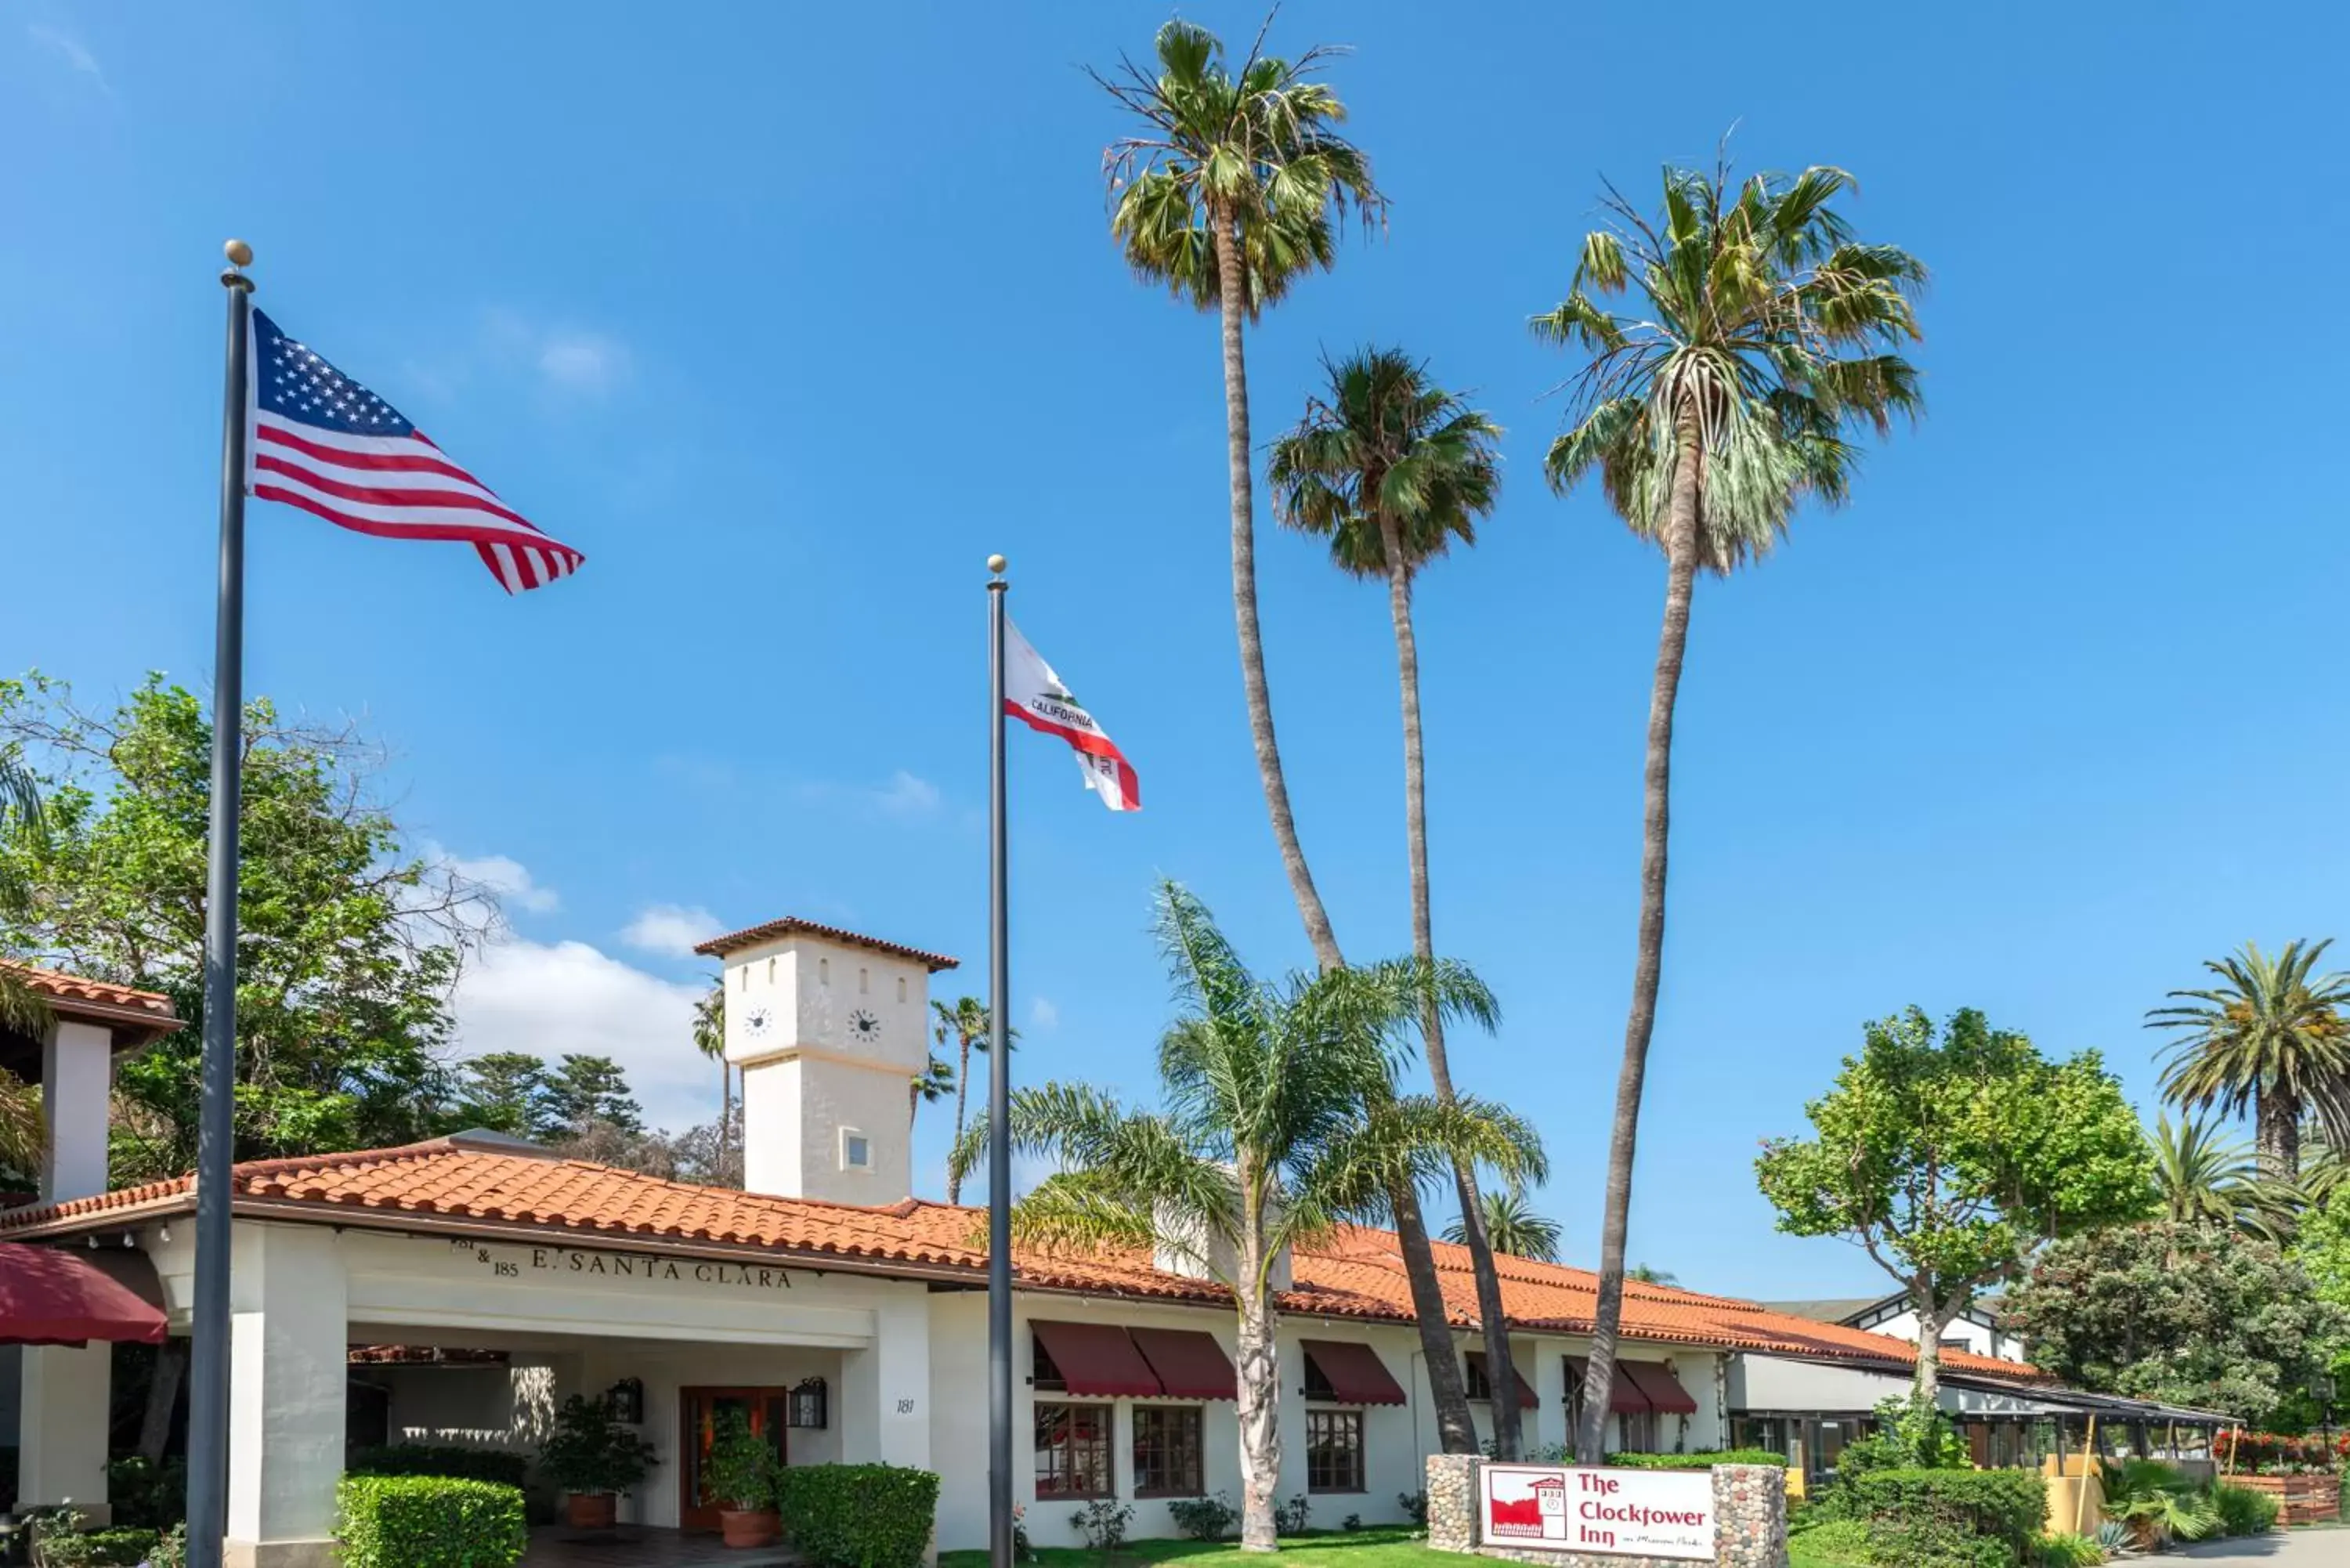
(1526, 1394)
(1625, 1397)
(1666, 1394)
(51, 1296)
(1096, 1359)
(1355, 1373)
(1191, 1364)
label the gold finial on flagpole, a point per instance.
(996, 563)
(240, 254)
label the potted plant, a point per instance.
(740, 1477)
(593, 1458)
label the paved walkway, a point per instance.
(2280, 1549)
(634, 1546)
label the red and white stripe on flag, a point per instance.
(1036, 697)
(321, 441)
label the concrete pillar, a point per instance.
(884, 1409)
(1545, 1371)
(62, 1411)
(287, 1369)
(77, 1081)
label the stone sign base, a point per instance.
(1750, 1510)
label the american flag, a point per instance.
(325, 443)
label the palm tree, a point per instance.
(1279, 1121)
(1767, 334)
(2201, 1179)
(1513, 1227)
(1228, 192)
(1391, 469)
(2271, 1037)
(710, 1038)
(932, 1084)
(966, 1023)
(1651, 1276)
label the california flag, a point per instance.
(1035, 695)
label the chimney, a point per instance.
(830, 1028)
(91, 1022)
(1182, 1245)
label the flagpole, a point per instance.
(998, 1104)
(215, 1135)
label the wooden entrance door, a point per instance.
(698, 1411)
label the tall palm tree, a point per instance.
(1229, 191)
(1391, 469)
(710, 1038)
(1279, 1119)
(23, 1133)
(932, 1084)
(965, 1022)
(1513, 1226)
(2271, 1037)
(2202, 1178)
(1766, 334)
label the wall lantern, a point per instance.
(807, 1404)
(627, 1398)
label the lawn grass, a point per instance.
(1373, 1546)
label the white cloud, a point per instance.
(582, 361)
(554, 1000)
(505, 876)
(671, 929)
(72, 50)
(907, 796)
(1043, 1014)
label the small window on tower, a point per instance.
(856, 1151)
(902, 988)
(824, 971)
(860, 981)
(771, 971)
(746, 978)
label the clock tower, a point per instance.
(830, 1028)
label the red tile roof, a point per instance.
(75, 996)
(792, 925)
(1355, 1272)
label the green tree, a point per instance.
(1651, 1276)
(584, 1092)
(348, 941)
(1948, 1160)
(1280, 1119)
(505, 1091)
(1391, 469)
(2201, 1179)
(966, 1023)
(1229, 189)
(2189, 1314)
(709, 1040)
(1768, 332)
(934, 1082)
(2271, 1037)
(22, 1011)
(1511, 1226)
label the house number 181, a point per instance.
(905, 1407)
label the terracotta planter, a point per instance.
(2301, 1500)
(750, 1527)
(589, 1511)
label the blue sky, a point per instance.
(789, 317)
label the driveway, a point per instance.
(2279, 1549)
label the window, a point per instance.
(1165, 1451)
(860, 982)
(1334, 1450)
(824, 971)
(1472, 1373)
(1073, 1451)
(1957, 1342)
(1640, 1431)
(1047, 1374)
(1317, 1385)
(902, 988)
(856, 1151)
(771, 971)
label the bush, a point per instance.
(1835, 1540)
(1289, 1518)
(150, 1495)
(118, 1548)
(428, 1522)
(741, 1471)
(501, 1466)
(590, 1453)
(1705, 1461)
(1414, 1503)
(857, 1516)
(1933, 1513)
(2062, 1548)
(1207, 1518)
(1103, 1524)
(2244, 1512)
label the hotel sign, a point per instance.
(1631, 1513)
(574, 1266)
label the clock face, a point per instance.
(863, 1027)
(757, 1022)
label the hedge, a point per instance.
(124, 1548)
(428, 1522)
(1696, 1461)
(2007, 1507)
(499, 1464)
(857, 1516)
